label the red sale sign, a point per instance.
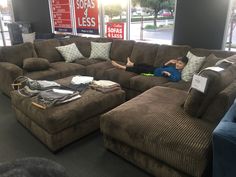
(61, 15)
(115, 30)
(86, 15)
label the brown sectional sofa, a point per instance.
(166, 130)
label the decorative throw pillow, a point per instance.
(211, 60)
(192, 67)
(100, 50)
(70, 52)
(28, 37)
(35, 64)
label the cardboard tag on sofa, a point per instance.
(199, 83)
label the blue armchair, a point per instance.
(224, 145)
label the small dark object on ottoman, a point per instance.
(32, 167)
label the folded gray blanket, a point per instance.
(32, 167)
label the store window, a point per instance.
(152, 21)
(231, 35)
(115, 18)
(5, 18)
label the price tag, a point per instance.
(199, 83)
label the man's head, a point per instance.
(181, 62)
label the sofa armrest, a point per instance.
(224, 145)
(8, 73)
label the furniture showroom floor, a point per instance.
(84, 158)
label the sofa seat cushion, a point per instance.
(142, 83)
(155, 124)
(120, 76)
(181, 85)
(50, 74)
(68, 69)
(97, 70)
(86, 61)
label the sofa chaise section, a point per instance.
(163, 133)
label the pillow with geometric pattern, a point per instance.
(100, 50)
(192, 67)
(70, 52)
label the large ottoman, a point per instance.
(60, 125)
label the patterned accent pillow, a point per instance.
(192, 67)
(70, 52)
(100, 50)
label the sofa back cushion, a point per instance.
(206, 52)
(167, 52)
(211, 60)
(220, 104)
(17, 53)
(144, 53)
(121, 49)
(47, 49)
(197, 102)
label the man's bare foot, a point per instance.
(115, 64)
(129, 63)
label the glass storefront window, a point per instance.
(231, 35)
(5, 18)
(152, 21)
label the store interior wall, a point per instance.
(35, 12)
(201, 23)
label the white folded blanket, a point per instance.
(81, 80)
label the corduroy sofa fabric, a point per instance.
(57, 118)
(121, 49)
(181, 85)
(211, 60)
(156, 124)
(87, 62)
(222, 102)
(8, 73)
(144, 53)
(205, 52)
(120, 76)
(142, 83)
(197, 102)
(50, 124)
(49, 74)
(150, 164)
(68, 69)
(98, 70)
(35, 64)
(17, 53)
(47, 49)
